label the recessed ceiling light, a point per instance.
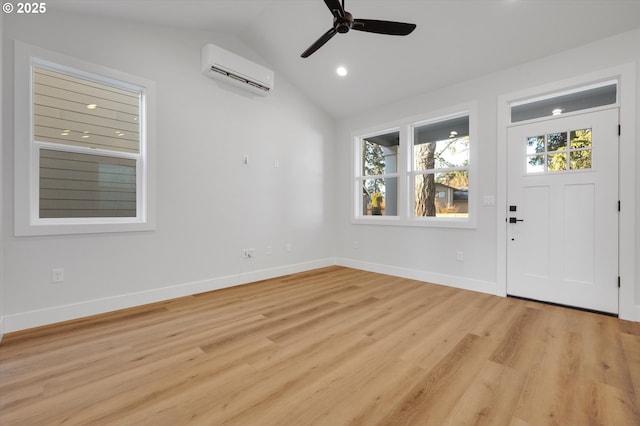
(556, 111)
(92, 106)
(342, 71)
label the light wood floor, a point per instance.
(332, 347)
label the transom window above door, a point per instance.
(580, 99)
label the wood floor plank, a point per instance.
(490, 399)
(549, 395)
(299, 379)
(333, 346)
(631, 346)
(604, 405)
(520, 343)
(604, 360)
(433, 398)
(366, 398)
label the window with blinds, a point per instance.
(87, 132)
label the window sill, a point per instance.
(452, 223)
(67, 228)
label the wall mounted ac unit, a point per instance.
(221, 64)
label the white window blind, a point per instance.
(82, 185)
(73, 111)
(88, 134)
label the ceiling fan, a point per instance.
(343, 21)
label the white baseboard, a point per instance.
(31, 319)
(426, 276)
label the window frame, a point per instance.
(27, 150)
(406, 171)
(360, 177)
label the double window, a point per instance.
(417, 173)
(85, 148)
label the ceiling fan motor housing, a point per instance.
(343, 24)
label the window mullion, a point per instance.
(83, 150)
(404, 159)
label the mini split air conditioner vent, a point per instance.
(233, 69)
(241, 79)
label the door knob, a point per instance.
(514, 220)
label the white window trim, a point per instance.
(26, 155)
(405, 157)
(358, 177)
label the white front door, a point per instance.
(562, 218)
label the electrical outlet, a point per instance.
(248, 253)
(57, 275)
(269, 250)
(355, 245)
(460, 256)
(288, 247)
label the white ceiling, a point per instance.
(455, 40)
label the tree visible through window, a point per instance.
(374, 162)
(379, 173)
(418, 173)
(441, 166)
(549, 153)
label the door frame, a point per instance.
(626, 77)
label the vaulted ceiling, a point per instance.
(455, 40)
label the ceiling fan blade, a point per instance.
(319, 43)
(383, 27)
(335, 7)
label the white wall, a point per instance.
(209, 206)
(1, 176)
(430, 254)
